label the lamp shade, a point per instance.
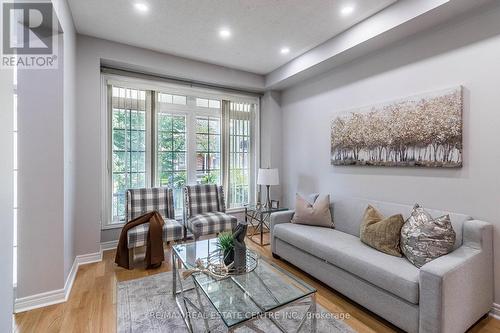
(268, 177)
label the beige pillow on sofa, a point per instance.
(317, 214)
(381, 233)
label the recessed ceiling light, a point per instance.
(285, 50)
(347, 10)
(142, 7)
(224, 33)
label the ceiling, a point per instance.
(190, 28)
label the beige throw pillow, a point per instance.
(381, 233)
(317, 214)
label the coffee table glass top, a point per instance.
(263, 209)
(242, 297)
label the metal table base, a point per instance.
(182, 303)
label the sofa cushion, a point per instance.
(424, 238)
(393, 274)
(211, 223)
(381, 233)
(317, 214)
(348, 214)
(172, 231)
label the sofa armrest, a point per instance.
(457, 289)
(477, 234)
(279, 218)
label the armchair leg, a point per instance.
(275, 256)
(131, 258)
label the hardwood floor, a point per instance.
(91, 306)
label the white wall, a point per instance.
(91, 52)
(6, 199)
(464, 52)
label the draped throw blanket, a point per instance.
(154, 241)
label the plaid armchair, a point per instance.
(205, 210)
(143, 200)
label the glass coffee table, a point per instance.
(238, 299)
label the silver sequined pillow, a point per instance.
(424, 238)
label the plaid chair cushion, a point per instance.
(211, 223)
(172, 231)
(201, 199)
(144, 200)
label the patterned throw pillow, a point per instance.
(424, 238)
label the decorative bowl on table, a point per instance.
(214, 263)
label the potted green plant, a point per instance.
(226, 245)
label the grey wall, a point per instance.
(463, 52)
(41, 181)
(110, 235)
(6, 199)
(90, 53)
(69, 129)
(270, 138)
(46, 170)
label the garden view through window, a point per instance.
(172, 140)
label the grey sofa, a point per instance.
(448, 294)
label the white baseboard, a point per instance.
(495, 311)
(111, 245)
(59, 295)
(88, 258)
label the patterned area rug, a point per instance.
(146, 305)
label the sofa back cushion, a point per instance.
(348, 214)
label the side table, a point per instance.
(258, 218)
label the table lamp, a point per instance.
(268, 177)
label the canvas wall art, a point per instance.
(417, 131)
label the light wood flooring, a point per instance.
(91, 306)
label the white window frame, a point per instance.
(154, 160)
(151, 158)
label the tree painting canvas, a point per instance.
(417, 131)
